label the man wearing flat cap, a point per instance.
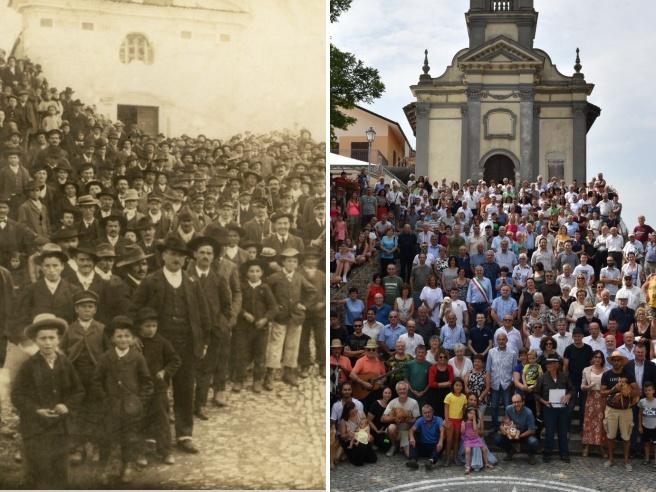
(184, 320)
(294, 293)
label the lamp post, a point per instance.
(371, 136)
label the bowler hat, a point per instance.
(45, 321)
(132, 253)
(173, 243)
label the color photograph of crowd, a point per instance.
(474, 321)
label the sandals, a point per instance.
(489, 467)
(468, 470)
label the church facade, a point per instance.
(217, 67)
(501, 109)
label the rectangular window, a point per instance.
(46, 22)
(185, 34)
(87, 26)
(360, 151)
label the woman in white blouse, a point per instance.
(461, 365)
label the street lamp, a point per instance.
(371, 136)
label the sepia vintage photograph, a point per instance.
(162, 244)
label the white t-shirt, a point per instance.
(411, 406)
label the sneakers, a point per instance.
(430, 465)
(412, 464)
(608, 464)
(391, 451)
(628, 467)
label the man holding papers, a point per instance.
(554, 390)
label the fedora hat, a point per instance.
(218, 233)
(105, 250)
(85, 251)
(87, 201)
(173, 243)
(336, 343)
(132, 253)
(51, 249)
(371, 344)
(618, 355)
(45, 321)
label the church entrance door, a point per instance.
(498, 167)
(145, 117)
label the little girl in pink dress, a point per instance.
(472, 439)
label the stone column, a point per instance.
(526, 132)
(535, 171)
(422, 110)
(474, 130)
(464, 144)
(579, 145)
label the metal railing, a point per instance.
(501, 5)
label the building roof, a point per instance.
(392, 122)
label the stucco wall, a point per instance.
(444, 146)
(257, 72)
(556, 135)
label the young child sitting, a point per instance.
(471, 436)
(509, 428)
(123, 387)
(84, 343)
(46, 391)
(163, 362)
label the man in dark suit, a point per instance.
(259, 226)
(13, 236)
(214, 366)
(85, 278)
(133, 269)
(281, 239)
(111, 228)
(88, 227)
(184, 320)
(157, 218)
(294, 293)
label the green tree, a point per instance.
(351, 81)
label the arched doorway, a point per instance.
(497, 167)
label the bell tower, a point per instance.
(515, 19)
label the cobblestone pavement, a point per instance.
(274, 440)
(582, 475)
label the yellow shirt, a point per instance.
(456, 404)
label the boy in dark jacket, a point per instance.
(46, 390)
(250, 336)
(163, 361)
(123, 386)
(84, 343)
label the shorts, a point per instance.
(648, 435)
(615, 419)
(455, 423)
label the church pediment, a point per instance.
(500, 53)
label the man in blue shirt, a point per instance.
(524, 422)
(452, 333)
(381, 309)
(426, 438)
(503, 305)
(390, 334)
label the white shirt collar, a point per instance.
(121, 353)
(254, 284)
(52, 286)
(173, 278)
(200, 272)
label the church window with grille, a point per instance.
(136, 47)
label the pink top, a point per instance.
(340, 230)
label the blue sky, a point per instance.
(617, 43)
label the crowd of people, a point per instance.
(135, 267)
(533, 297)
